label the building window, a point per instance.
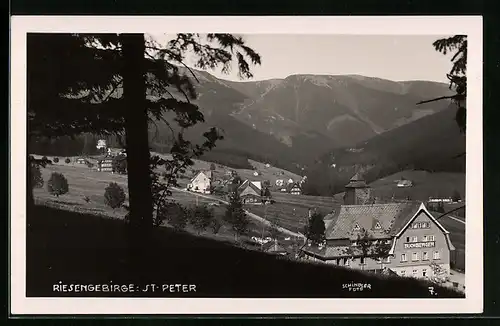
(424, 238)
(356, 227)
(436, 255)
(430, 238)
(425, 255)
(362, 260)
(407, 239)
(414, 239)
(403, 257)
(403, 273)
(415, 273)
(414, 256)
(346, 262)
(424, 272)
(378, 226)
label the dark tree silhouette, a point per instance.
(57, 184)
(36, 176)
(111, 84)
(114, 195)
(315, 229)
(235, 215)
(456, 196)
(456, 44)
(120, 164)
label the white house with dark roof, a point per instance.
(415, 241)
(204, 181)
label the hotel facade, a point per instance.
(402, 237)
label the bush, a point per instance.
(114, 195)
(67, 161)
(36, 176)
(56, 160)
(215, 225)
(201, 218)
(57, 184)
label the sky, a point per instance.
(393, 57)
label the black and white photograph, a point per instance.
(246, 165)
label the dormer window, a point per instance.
(356, 227)
(378, 226)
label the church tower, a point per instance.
(357, 192)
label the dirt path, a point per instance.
(250, 214)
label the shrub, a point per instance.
(67, 161)
(36, 176)
(201, 218)
(114, 195)
(56, 160)
(174, 214)
(215, 225)
(57, 184)
(212, 167)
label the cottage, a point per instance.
(81, 160)
(275, 248)
(105, 164)
(256, 173)
(290, 181)
(403, 237)
(205, 181)
(251, 192)
(405, 183)
(296, 190)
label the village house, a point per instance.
(251, 192)
(206, 181)
(273, 247)
(296, 190)
(404, 183)
(105, 164)
(403, 237)
(279, 182)
(81, 160)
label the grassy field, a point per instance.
(86, 249)
(291, 211)
(84, 182)
(426, 184)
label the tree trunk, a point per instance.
(136, 135)
(30, 201)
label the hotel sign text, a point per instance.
(429, 244)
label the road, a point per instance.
(250, 214)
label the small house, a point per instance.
(81, 160)
(105, 164)
(280, 182)
(275, 248)
(405, 183)
(256, 173)
(296, 190)
(290, 181)
(268, 165)
(201, 182)
(251, 192)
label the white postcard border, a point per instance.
(359, 25)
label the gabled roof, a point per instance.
(392, 217)
(273, 247)
(357, 181)
(256, 186)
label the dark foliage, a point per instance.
(114, 195)
(36, 176)
(67, 161)
(120, 164)
(55, 160)
(235, 215)
(218, 269)
(57, 184)
(201, 217)
(315, 229)
(456, 44)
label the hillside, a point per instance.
(291, 121)
(431, 144)
(64, 248)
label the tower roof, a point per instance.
(357, 181)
